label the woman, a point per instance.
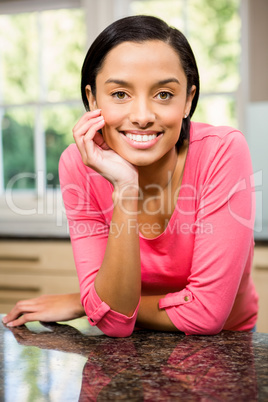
(159, 208)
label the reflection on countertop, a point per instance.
(76, 362)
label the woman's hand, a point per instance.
(47, 308)
(96, 153)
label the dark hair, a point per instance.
(141, 28)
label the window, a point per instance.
(40, 61)
(213, 30)
(41, 53)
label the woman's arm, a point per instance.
(108, 264)
(219, 285)
(150, 316)
(118, 281)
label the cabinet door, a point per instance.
(260, 277)
(31, 268)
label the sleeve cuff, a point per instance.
(176, 299)
(100, 309)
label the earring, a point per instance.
(185, 116)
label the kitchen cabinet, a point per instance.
(30, 268)
(260, 278)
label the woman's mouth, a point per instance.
(141, 139)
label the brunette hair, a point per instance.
(141, 28)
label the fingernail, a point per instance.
(4, 320)
(10, 324)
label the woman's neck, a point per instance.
(156, 177)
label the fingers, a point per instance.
(89, 127)
(87, 116)
(85, 131)
(29, 317)
(20, 313)
(94, 126)
(99, 140)
(88, 120)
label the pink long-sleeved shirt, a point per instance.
(201, 262)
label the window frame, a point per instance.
(26, 6)
(48, 217)
(40, 212)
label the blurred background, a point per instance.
(42, 47)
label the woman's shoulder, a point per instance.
(71, 161)
(202, 131)
(207, 141)
(71, 153)
(214, 146)
(73, 169)
(80, 183)
(220, 149)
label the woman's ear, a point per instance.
(91, 98)
(190, 98)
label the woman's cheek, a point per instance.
(174, 113)
(113, 114)
(113, 120)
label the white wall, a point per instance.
(257, 137)
(254, 93)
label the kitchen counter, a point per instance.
(76, 362)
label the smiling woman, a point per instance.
(147, 111)
(166, 205)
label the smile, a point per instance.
(141, 138)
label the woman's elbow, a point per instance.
(206, 328)
(213, 330)
(115, 332)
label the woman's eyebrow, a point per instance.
(168, 80)
(125, 83)
(116, 81)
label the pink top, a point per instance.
(202, 261)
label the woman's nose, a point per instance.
(142, 113)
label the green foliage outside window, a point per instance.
(18, 144)
(40, 60)
(18, 58)
(58, 123)
(213, 30)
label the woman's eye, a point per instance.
(120, 95)
(164, 95)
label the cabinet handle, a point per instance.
(19, 288)
(261, 267)
(14, 258)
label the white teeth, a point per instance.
(141, 138)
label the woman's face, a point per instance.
(141, 90)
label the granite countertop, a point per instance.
(76, 362)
